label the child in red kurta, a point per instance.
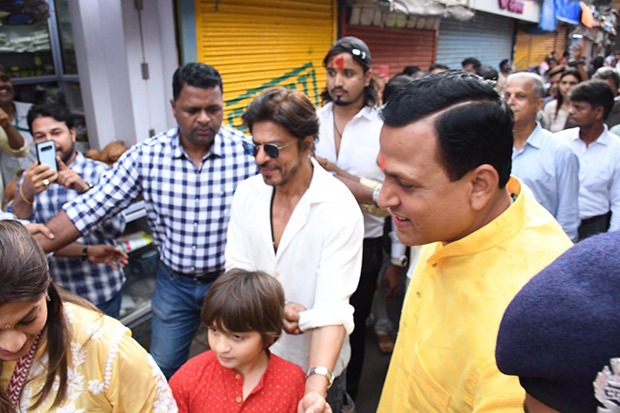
(243, 312)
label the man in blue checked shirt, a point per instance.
(187, 176)
(41, 194)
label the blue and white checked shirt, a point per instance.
(98, 283)
(188, 208)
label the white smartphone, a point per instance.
(46, 154)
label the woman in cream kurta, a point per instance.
(46, 334)
(108, 370)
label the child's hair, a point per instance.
(241, 301)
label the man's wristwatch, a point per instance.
(399, 261)
(323, 371)
(85, 251)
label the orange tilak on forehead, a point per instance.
(336, 62)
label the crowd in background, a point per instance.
(470, 181)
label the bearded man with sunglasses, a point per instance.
(298, 223)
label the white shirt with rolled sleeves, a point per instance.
(318, 260)
(599, 174)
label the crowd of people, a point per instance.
(480, 181)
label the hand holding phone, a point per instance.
(46, 154)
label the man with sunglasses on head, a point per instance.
(298, 223)
(18, 150)
(187, 176)
(348, 146)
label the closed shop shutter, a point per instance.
(531, 49)
(259, 44)
(487, 37)
(397, 48)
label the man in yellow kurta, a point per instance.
(446, 150)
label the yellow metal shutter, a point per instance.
(260, 44)
(531, 50)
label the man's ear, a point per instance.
(172, 103)
(73, 134)
(599, 111)
(484, 185)
(308, 143)
(368, 77)
(539, 104)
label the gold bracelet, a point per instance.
(23, 197)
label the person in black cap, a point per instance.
(562, 330)
(348, 146)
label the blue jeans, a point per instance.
(176, 309)
(113, 306)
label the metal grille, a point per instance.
(487, 37)
(397, 48)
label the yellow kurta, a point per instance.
(109, 371)
(444, 360)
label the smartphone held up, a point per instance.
(46, 154)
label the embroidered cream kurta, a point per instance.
(108, 371)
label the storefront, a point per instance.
(489, 36)
(37, 51)
(395, 39)
(260, 44)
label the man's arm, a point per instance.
(32, 184)
(16, 144)
(362, 193)
(325, 345)
(567, 180)
(64, 230)
(391, 277)
(97, 254)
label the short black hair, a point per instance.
(488, 72)
(54, 110)
(411, 70)
(394, 86)
(475, 127)
(596, 93)
(471, 61)
(195, 74)
(438, 66)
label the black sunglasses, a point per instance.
(271, 149)
(5, 78)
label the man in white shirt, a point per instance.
(543, 162)
(349, 139)
(598, 151)
(298, 223)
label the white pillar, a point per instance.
(118, 102)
